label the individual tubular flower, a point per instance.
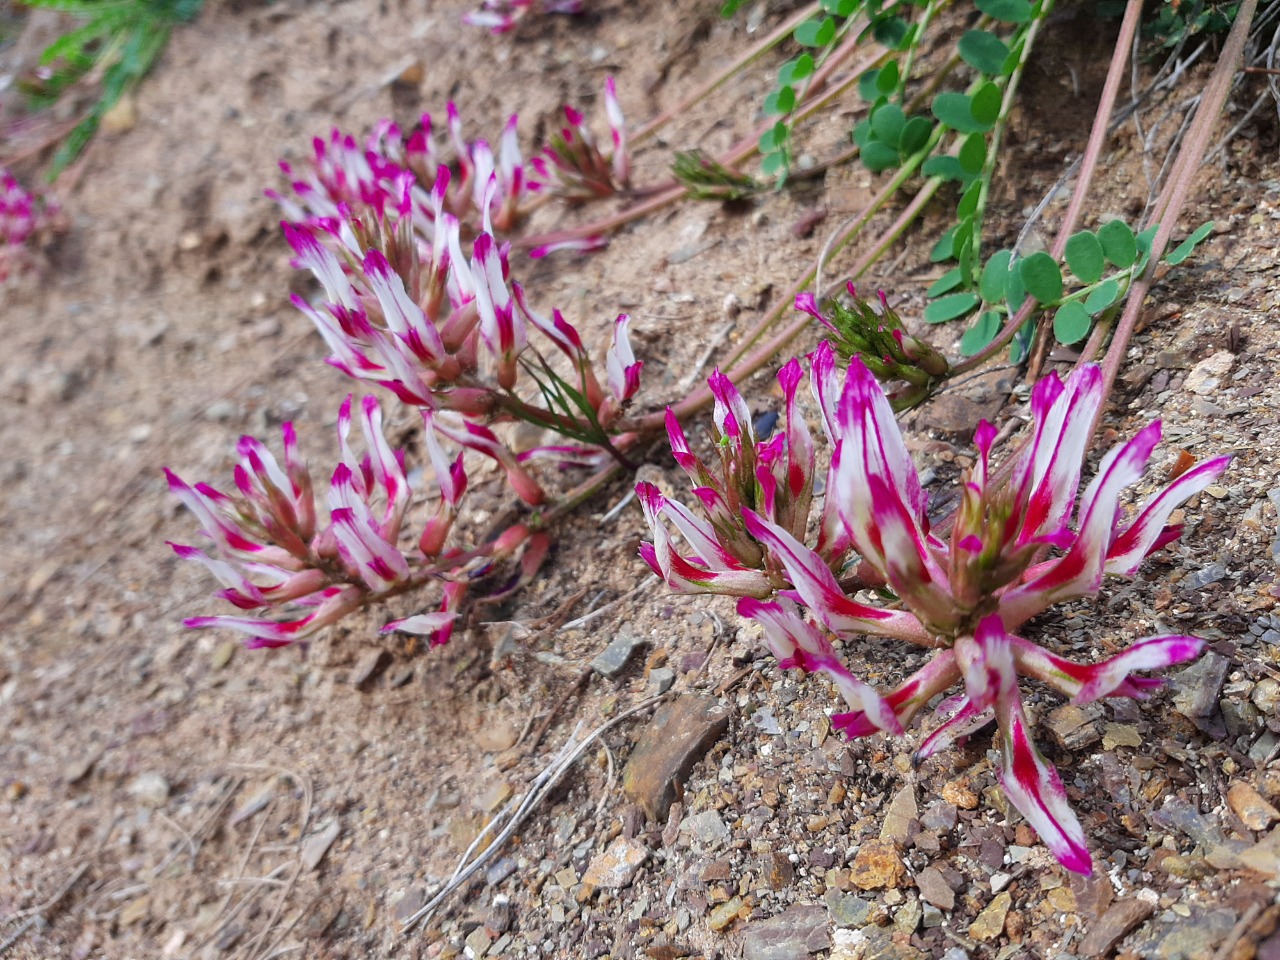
(275, 556)
(889, 351)
(711, 568)
(451, 478)
(622, 370)
(1013, 550)
(573, 163)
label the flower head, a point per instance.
(1013, 550)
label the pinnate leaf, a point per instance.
(1071, 323)
(1085, 256)
(1041, 276)
(1119, 245)
(983, 51)
(949, 307)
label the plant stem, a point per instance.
(1002, 121)
(1097, 137)
(1174, 195)
(665, 194)
(745, 60)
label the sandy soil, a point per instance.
(163, 793)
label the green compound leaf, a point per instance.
(816, 33)
(986, 105)
(914, 135)
(983, 51)
(877, 156)
(841, 8)
(973, 153)
(982, 332)
(1187, 246)
(956, 111)
(1119, 245)
(887, 122)
(774, 139)
(945, 283)
(1101, 297)
(1071, 323)
(1010, 11)
(1042, 277)
(1085, 256)
(949, 307)
(798, 69)
(780, 102)
(994, 276)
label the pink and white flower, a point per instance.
(1013, 551)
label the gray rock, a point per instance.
(500, 871)
(1263, 747)
(316, 846)
(1205, 576)
(1196, 688)
(792, 935)
(846, 910)
(614, 658)
(707, 827)
(661, 680)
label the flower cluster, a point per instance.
(884, 343)
(1013, 550)
(499, 16)
(478, 187)
(276, 557)
(23, 215)
(573, 161)
(447, 332)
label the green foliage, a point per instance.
(1176, 20)
(1005, 283)
(120, 39)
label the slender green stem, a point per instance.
(930, 11)
(1002, 121)
(1097, 138)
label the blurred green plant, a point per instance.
(113, 49)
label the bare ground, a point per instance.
(161, 791)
